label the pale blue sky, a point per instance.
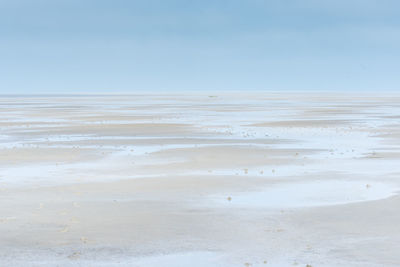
(99, 46)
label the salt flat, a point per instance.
(258, 179)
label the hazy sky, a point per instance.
(77, 46)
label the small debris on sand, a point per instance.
(74, 255)
(2, 220)
(247, 264)
(65, 229)
(74, 220)
(229, 198)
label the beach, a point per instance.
(223, 179)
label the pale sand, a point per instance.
(194, 180)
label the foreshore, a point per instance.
(261, 179)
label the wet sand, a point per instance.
(194, 180)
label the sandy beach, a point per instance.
(230, 179)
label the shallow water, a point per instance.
(310, 194)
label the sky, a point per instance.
(130, 46)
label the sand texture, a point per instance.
(196, 180)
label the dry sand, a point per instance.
(193, 180)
